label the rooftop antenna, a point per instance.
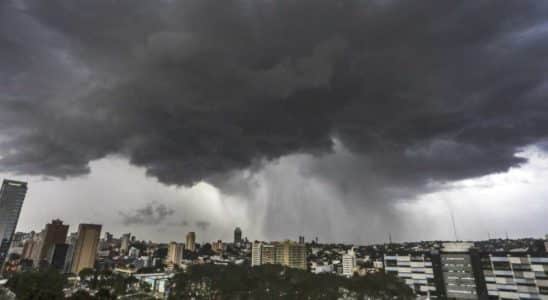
(390, 238)
(507, 235)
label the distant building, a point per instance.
(124, 243)
(349, 263)
(237, 236)
(301, 239)
(12, 195)
(191, 241)
(174, 254)
(286, 253)
(85, 250)
(54, 233)
(217, 246)
(133, 252)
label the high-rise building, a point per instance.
(174, 254)
(85, 250)
(191, 241)
(301, 239)
(12, 195)
(54, 233)
(71, 242)
(237, 236)
(124, 243)
(349, 263)
(461, 270)
(57, 255)
(286, 253)
(217, 246)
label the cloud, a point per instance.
(392, 96)
(150, 214)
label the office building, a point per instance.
(349, 263)
(191, 241)
(174, 254)
(54, 233)
(12, 195)
(515, 276)
(237, 236)
(461, 271)
(416, 270)
(85, 250)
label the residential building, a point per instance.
(349, 263)
(12, 195)
(124, 243)
(174, 254)
(54, 233)
(285, 253)
(515, 276)
(191, 241)
(416, 270)
(71, 242)
(85, 250)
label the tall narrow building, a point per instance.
(237, 236)
(12, 195)
(174, 254)
(55, 233)
(191, 241)
(85, 250)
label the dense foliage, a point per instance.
(43, 285)
(277, 282)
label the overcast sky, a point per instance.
(344, 120)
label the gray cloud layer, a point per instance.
(195, 90)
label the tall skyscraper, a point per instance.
(174, 254)
(237, 235)
(54, 233)
(460, 267)
(191, 241)
(85, 250)
(12, 195)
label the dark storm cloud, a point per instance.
(150, 214)
(191, 90)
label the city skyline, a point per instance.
(343, 120)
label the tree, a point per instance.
(34, 285)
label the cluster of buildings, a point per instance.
(492, 269)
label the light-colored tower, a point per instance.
(191, 241)
(86, 247)
(174, 254)
(12, 195)
(349, 263)
(124, 243)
